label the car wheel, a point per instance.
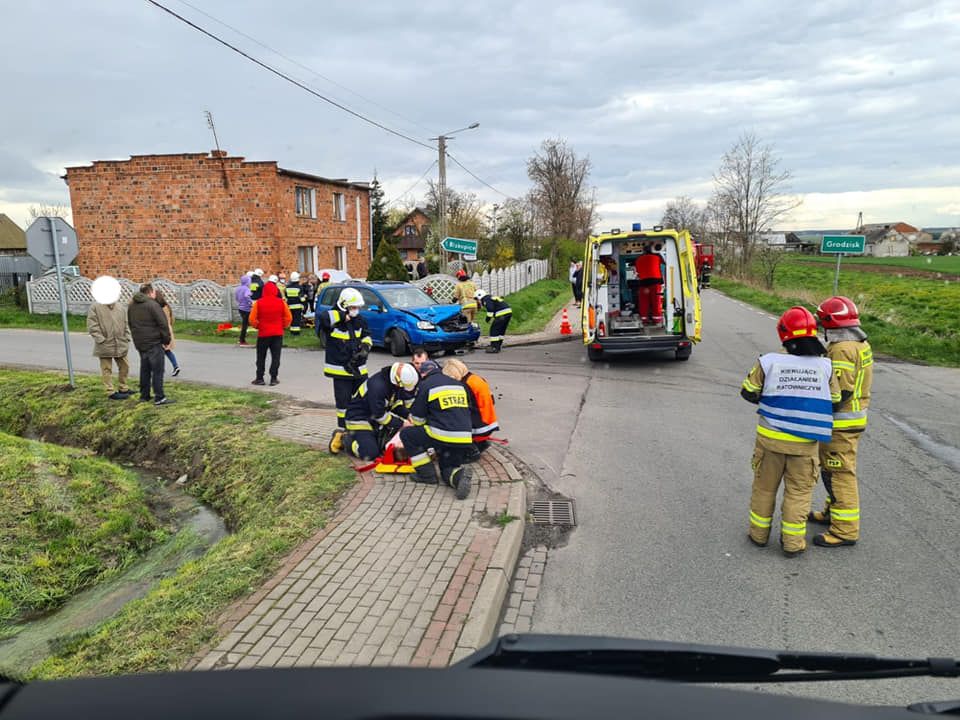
(322, 337)
(398, 343)
(594, 354)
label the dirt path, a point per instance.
(892, 270)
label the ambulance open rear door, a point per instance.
(588, 317)
(691, 296)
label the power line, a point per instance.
(477, 178)
(303, 67)
(289, 79)
(419, 180)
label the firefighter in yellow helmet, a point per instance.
(852, 359)
(795, 393)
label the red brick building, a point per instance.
(191, 216)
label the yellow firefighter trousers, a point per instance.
(838, 468)
(799, 475)
(469, 312)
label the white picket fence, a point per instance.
(501, 281)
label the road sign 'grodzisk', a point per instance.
(850, 244)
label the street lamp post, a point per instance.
(442, 182)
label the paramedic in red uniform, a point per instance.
(649, 287)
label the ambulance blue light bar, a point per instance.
(636, 227)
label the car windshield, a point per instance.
(713, 373)
(405, 296)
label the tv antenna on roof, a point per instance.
(216, 142)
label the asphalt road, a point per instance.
(656, 453)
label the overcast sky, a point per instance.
(860, 99)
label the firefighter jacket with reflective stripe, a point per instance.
(797, 393)
(495, 307)
(294, 295)
(464, 292)
(853, 367)
(345, 337)
(442, 407)
(256, 287)
(371, 405)
(482, 412)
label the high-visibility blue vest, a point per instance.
(795, 401)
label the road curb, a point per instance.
(481, 623)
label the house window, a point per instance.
(409, 230)
(305, 259)
(339, 207)
(340, 258)
(306, 202)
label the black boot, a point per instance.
(459, 479)
(426, 474)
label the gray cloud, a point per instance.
(853, 97)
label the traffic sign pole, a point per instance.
(63, 299)
(841, 245)
(836, 277)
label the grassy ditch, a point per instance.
(272, 493)
(535, 305)
(67, 520)
(906, 317)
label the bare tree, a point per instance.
(683, 213)
(561, 196)
(768, 258)
(752, 186)
(47, 210)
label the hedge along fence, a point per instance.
(199, 300)
(501, 281)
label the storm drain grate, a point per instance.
(553, 512)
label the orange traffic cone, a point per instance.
(565, 328)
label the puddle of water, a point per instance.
(198, 528)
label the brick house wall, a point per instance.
(191, 216)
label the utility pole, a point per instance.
(442, 184)
(216, 143)
(442, 164)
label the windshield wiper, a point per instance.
(685, 662)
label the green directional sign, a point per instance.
(459, 245)
(848, 244)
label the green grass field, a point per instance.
(67, 520)
(273, 494)
(945, 264)
(908, 317)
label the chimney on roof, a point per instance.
(218, 153)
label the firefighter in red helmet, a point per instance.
(463, 293)
(795, 393)
(852, 359)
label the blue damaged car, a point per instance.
(401, 316)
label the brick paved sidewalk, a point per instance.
(405, 574)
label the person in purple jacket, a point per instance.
(244, 303)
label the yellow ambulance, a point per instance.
(640, 293)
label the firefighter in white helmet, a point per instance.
(293, 293)
(376, 410)
(348, 343)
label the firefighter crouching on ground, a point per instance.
(852, 359)
(294, 294)
(348, 343)
(441, 420)
(464, 293)
(377, 409)
(498, 315)
(483, 415)
(796, 393)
